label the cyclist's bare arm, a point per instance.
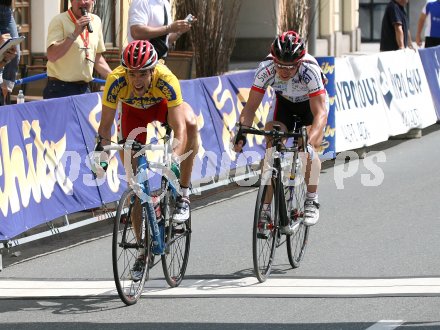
(105, 126)
(248, 113)
(319, 111)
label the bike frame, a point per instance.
(148, 209)
(276, 169)
(143, 165)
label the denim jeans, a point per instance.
(8, 25)
(57, 88)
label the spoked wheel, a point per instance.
(296, 242)
(127, 250)
(265, 232)
(177, 240)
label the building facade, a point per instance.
(339, 25)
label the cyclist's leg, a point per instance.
(132, 123)
(184, 124)
(316, 121)
(279, 114)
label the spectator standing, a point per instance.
(395, 32)
(152, 20)
(9, 55)
(73, 52)
(431, 10)
(8, 73)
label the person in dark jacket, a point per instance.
(395, 32)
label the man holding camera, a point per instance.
(151, 20)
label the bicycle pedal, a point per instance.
(262, 236)
(284, 230)
(290, 230)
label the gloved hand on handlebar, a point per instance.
(239, 140)
(99, 159)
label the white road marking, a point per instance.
(245, 287)
(386, 325)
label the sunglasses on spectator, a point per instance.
(286, 67)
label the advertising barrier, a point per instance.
(44, 162)
(431, 61)
(378, 96)
(45, 145)
(45, 172)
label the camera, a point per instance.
(189, 18)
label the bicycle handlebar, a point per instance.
(134, 145)
(274, 132)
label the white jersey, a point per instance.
(306, 83)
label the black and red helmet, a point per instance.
(139, 55)
(288, 47)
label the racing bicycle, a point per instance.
(283, 188)
(159, 235)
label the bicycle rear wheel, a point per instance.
(177, 240)
(297, 241)
(126, 249)
(265, 232)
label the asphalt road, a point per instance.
(372, 260)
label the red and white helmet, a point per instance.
(139, 55)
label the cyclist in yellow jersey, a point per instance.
(149, 91)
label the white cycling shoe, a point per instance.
(311, 212)
(182, 211)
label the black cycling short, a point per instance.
(285, 111)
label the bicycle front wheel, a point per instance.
(177, 240)
(297, 241)
(130, 255)
(265, 231)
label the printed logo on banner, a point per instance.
(384, 83)
(32, 171)
(399, 86)
(230, 106)
(356, 94)
(327, 65)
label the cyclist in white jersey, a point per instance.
(298, 82)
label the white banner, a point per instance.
(406, 91)
(360, 119)
(378, 96)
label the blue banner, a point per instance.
(328, 145)
(431, 63)
(45, 146)
(45, 171)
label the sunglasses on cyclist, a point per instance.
(287, 67)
